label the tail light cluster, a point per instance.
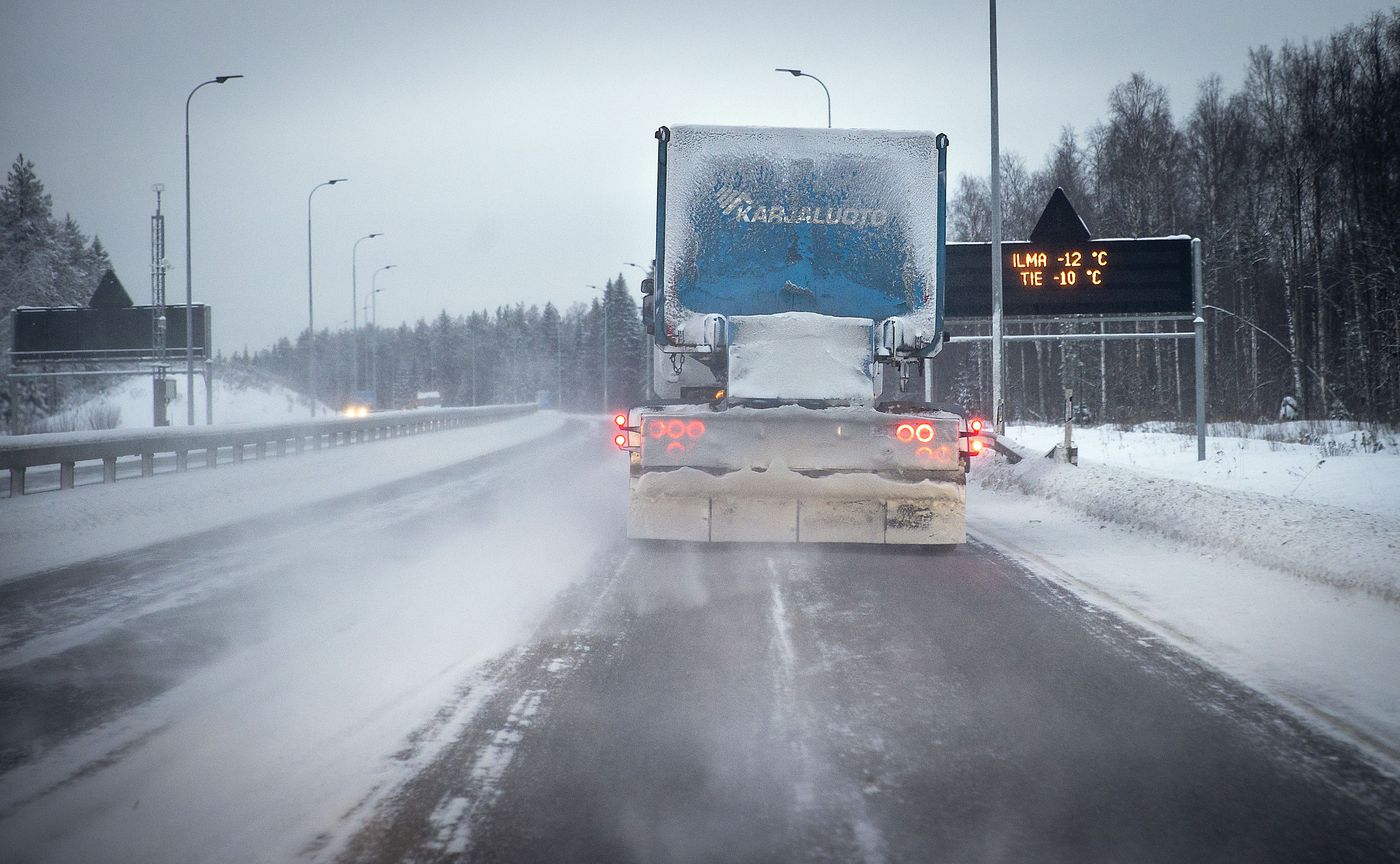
(677, 433)
(920, 434)
(620, 439)
(975, 445)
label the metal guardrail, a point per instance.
(67, 449)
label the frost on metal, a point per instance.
(767, 220)
(800, 355)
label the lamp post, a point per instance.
(798, 73)
(374, 290)
(189, 269)
(354, 305)
(310, 303)
(998, 347)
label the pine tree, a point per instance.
(27, 239)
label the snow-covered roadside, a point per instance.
(1328, 654)
(1298, 599)
(126, 402)
(1340, 547)
(1336, 467)
(54, 529)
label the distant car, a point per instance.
(426, 399)
(360, 404)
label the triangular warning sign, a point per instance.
(110, 294)
(1059, 223)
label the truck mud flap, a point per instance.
(753, 520)
(925, 521)
(669, 518)
(821, 521)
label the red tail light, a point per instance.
(975, 448)
(620, 420)
(620, 440)
(694, 429)
(924, 432)
(904, 432)
(975, 426)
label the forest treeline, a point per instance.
(43, 262)
(1293, 185)
(484, 358)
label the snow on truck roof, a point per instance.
(764, 220)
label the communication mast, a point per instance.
(163, 386)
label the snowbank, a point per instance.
(126, 404)
(1337, 463)
(1328, 655)
(1354, 549)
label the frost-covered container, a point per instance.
(839, 222)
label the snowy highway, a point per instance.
(476, 665)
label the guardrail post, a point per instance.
(148, 464)
(238, 454)
(261, 450)
(211, 457)
(65, 475)
(109, 469)
(182, 460)
(16, 482)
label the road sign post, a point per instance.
(1200, 327)
(1062, 274)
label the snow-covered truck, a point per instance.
(797, 305)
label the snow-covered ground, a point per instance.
(1277, 563)
(238, 398)
(1339, 465)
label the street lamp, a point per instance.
(310, 305)
(189, 270)
(354, 305)
(798, 73)
(998, 319)
(374, 290)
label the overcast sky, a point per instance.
(505, 149)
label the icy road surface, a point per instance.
(475, 666)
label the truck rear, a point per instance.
(796, 308)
